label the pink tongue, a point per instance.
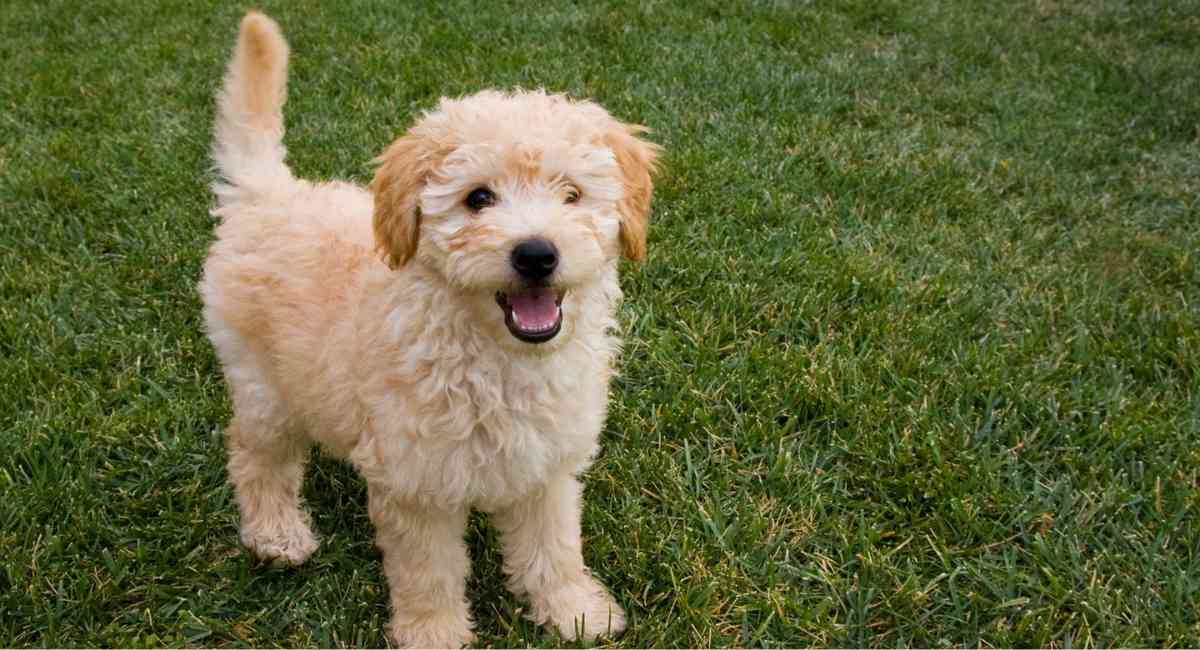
(534, 310)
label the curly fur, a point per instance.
(365, 322)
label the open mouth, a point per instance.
(534, 314)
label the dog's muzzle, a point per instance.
(534, 313)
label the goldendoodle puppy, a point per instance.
(450, 332)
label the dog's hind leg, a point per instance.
(266, 467)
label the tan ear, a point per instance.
(636, 161)
(397, 188)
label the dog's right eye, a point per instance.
(480, 198)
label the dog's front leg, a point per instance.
(426, 563)
(544, 561)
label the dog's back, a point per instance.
(286, 249)
(289, 253)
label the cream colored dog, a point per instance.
(450, 333)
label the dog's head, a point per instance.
(517, 200)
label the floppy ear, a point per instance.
(397, 188)
(636, 162)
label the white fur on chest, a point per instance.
(453, 421)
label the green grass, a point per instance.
(914, 359)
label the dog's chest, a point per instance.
(484, 434)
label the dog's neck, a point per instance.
(422, 310)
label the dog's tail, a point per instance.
(249, 149)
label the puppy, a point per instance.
(450, 332)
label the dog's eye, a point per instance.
(572, 195)
(480, 198)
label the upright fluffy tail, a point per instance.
(249, 149)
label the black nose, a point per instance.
(535, 259)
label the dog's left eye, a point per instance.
(572, 195)
(480, 198)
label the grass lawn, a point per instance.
(914, 359)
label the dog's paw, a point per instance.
(288, 544)
(581, 608)
(445, 631)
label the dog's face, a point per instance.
(517, 201)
